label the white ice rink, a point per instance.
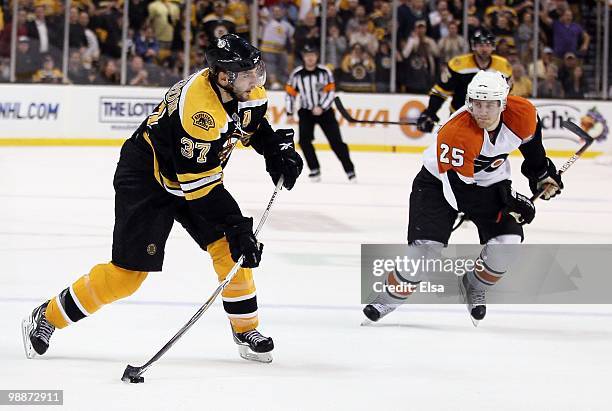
(56, 221)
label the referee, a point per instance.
(315, 85)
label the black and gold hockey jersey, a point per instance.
(456, 76)
(191, 134)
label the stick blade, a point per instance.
(132, 375)
(576, 129)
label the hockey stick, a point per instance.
(574, 128)
(134, 374)
(347, 116)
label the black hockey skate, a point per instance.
(253, 346)
(315, 175)
(376, 311)
(474, 299)
(36, 332)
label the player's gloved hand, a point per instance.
(239, 233)
(547, 180)
(282, 159)
(516, 204)
(426, 122)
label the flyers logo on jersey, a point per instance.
(203, 120)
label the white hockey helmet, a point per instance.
(488, 85)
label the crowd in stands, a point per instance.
(357, 45)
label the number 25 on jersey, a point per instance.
(456, 159)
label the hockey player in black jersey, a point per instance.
(455, 77)
(171, 169)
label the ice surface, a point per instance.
(56, 220)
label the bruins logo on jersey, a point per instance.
(203, 120)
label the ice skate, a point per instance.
(36, 332)
(253, 346)
(474, 299)
(376, 311)
(315, 175)
(352, 177)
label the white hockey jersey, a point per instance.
(462, 146)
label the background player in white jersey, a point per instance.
(466, 170)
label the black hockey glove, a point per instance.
(282, 159)
(547, 180)
(239, 233)
(516, 204)
(427, 121)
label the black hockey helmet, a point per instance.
(309, 48)
(242, 62)
(232, 54)
(482, 36)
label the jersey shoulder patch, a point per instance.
(201, 113)
(462, 62)
(502, 65)
(520, 116)
(461, 137)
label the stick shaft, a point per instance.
(217, 291)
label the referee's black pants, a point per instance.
(330, 128)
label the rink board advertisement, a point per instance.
(547, 274)
(81, 114)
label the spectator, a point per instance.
(383, 67)
(220, 15)
(76, 36)
(524, 36)
(352, 24)
(522, 85)
(106, 24)
(198, 62)
(48, 73)
(138, 14)
(451, 45)
(380, 21)
(419, 60)
(542, 64)
(43, 31)
(109, 74)
(77, 74)
(275, 42)
(439, 20)
(357, 70)
(5, 35)
(498, 9)
(146, 45)
(571, 77)
(504, 29)
(567, 35)
(408, 14)
(137, 75)
(92, 50)
(364, 37)
(26, 61)
(5, 70)
(336, 47)
(332, 15)
(347, 12)
(239, 10)
(550, 87)
(163, 16)
(307, 32)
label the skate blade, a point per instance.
(367, 323)
(26, 328)
(463, 293)
(250, 355)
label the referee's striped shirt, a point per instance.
(315, 88)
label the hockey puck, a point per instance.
(132, 375)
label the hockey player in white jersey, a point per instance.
(466, 170)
